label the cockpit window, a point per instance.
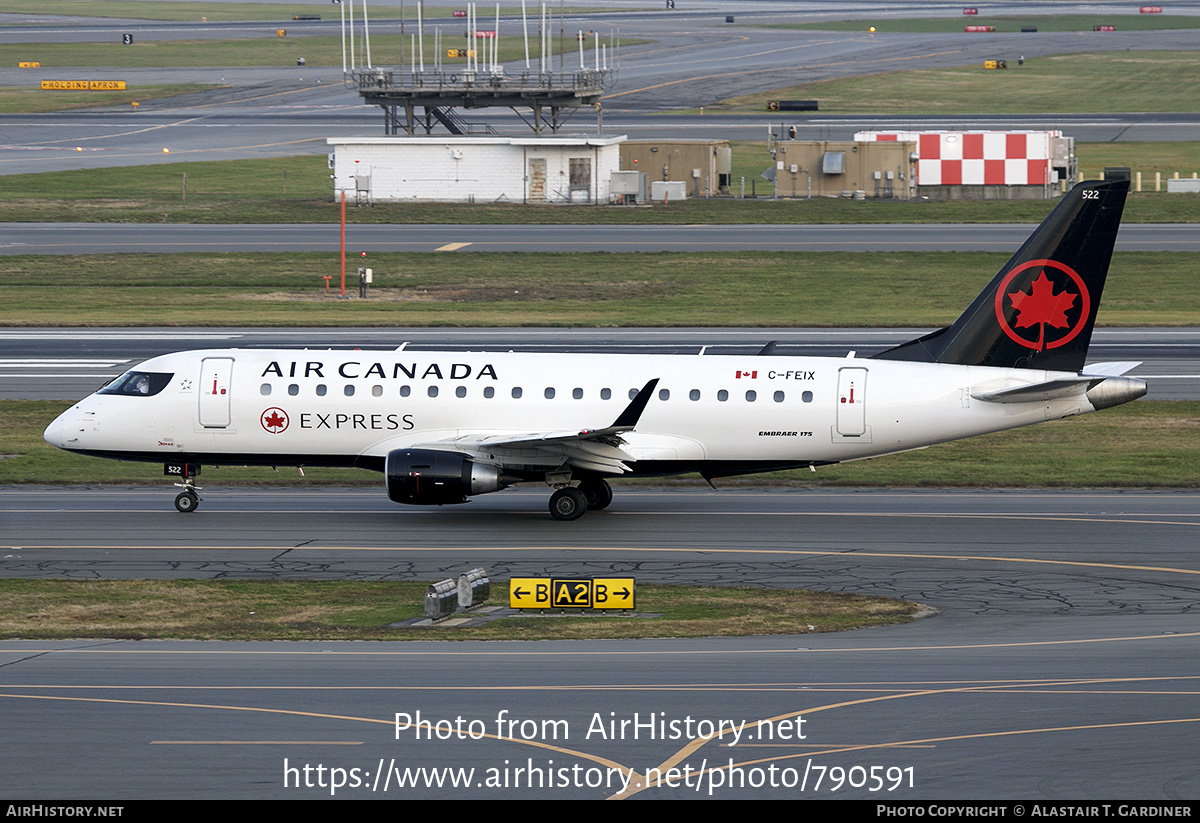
(138, 383)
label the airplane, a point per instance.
(445, 426)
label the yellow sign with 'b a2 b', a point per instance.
(574, 593)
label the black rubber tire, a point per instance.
(186, 501)
(568, 504)
(597, 492)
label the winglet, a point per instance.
(633, 412)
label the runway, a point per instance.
(1062, 665)
(102, 238)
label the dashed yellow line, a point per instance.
(452, 247)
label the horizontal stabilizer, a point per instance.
(1035, 392)
(1111, 369)
(1101, 390)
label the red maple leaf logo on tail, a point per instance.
(1042, 307)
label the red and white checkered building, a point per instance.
(978, 158)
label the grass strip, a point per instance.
(924, 289)
(36, 101)
(1138, 445)
(225, 12)
(297, 190)
(355, 610)
(1130, 81)
(317, 51)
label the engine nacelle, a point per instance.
(431, 477)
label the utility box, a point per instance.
(1183, 185)
(628, 186)
(668, 191)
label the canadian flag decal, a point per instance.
(740, 374)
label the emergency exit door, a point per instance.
(852, 402)
(215, 374)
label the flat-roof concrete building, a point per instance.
(464, 169)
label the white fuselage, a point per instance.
(307, 407)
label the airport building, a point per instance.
(465, 169)
(985, 165)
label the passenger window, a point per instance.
(722, 395)
(489, 391)
(348, 390)
(405, 391)
(778, 397)
(577, 394)
(664, 394)
(432, 391)
(321, 389)
(461, 391)
(694, 394)
(806, 397)
(293, 389)
(605, 394)
(549, 393)
(264, 389)
(751, 396)
(377, 391)
(632, 393)
(516, 392)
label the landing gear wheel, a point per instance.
(568, 504)
(187, 501)
(597, 492)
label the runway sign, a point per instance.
(575, 593)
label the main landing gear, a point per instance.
(570, 502)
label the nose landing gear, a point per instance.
(188, 499)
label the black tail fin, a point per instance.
(1039, 310)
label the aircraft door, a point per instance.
(852, 402)
(215, 374)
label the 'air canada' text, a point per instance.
(353, 369)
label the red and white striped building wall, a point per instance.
(978, 158)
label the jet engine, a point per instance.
(431, 477)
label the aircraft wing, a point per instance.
(590, 449)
